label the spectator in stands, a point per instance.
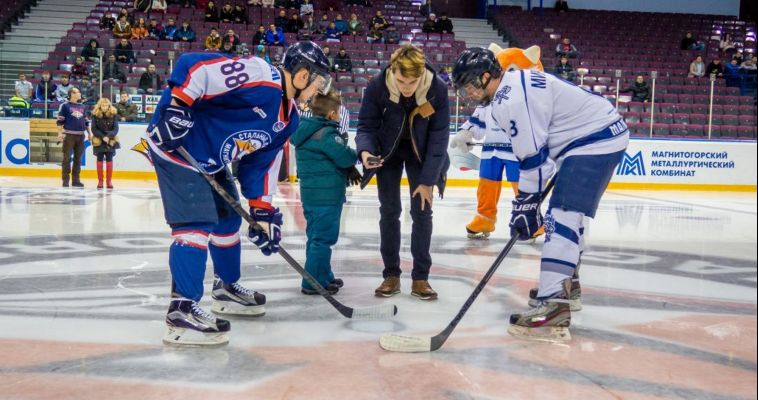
(444, 24)
(749, 65)
(342, 62)
(227, 48)
(561, 6)
(726, 44)
(281, 21)
(282, 4)
(341, 25)
(170, 30)
(445, 74)
(329, 56)
(425, 8)
(213, 41)
(267, 3)
(379, 19)
(354, 25)
(24, 88)
(306, 8)
(90, 50)
(45, 90)
(375, 34)
(154, 31)
(104, 140)
(697, 68)
(308, 30)
(323, 24)
(124, 12)
(227, 13)
(254, 3)
(72, 127)
(139, 31)
(732, 73)
(150, 82)
(430, 24)
(79, 69)
(275, 36)
(122, 29)
(112, 71)
(689, 43)
(738, 56)
(87, 89)
(564, 69)
(126, 110)
(124, 52)
(107, 21)
(232, 38)
(332, 34)
(142, 5)
(240, 14)
(295, 24)
(391, 35)
(61, 93)
(640, 90)
(715, 67)
(260, 52)
(159, 6)
(259, 37)
(211, 12)
(565, 48)
(185, 34)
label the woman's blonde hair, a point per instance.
(97, 112)
(409, 60)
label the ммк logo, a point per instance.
(631, 165)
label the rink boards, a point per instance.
(649, 164)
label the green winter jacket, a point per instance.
(323, 158)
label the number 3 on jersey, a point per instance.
(234, 78)
(514, 130)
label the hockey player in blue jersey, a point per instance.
(558, 131)
(223, 109)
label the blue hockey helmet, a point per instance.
(471, 65)
(308, 55)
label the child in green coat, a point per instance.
(326, 165)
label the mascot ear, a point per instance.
(533, 54)
(497, 49)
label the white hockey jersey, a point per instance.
(497, 143)
(548, 119)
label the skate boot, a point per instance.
(480, 227)
(188, 324)
(234, 299)
(575, 296)
(548, 322)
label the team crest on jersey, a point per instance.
(279, 126)
(502, 94)
(242, 143)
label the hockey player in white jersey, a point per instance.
(558, 131)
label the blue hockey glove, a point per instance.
(269, 237)
(174, 124)
(526, 217)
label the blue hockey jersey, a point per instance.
(239, 115)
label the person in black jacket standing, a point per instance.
(404, 124)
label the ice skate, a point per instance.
(480, 227)
(575, 298)
(235, 299)
(549, 322)
(188, 324)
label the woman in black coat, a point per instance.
(104, 139)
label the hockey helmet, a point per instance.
(470, 66)
(310, 56)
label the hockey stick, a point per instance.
(383, 311)
(416, 344)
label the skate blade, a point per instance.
(230, 308)
(553, 334)
(187, 337)
(478, 235)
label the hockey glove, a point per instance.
(267, 239)
(526, 217)
(169, 131)
(354, 176)
(461, 141)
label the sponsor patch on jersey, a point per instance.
(279, 126)
(502, 94)
(240, 144)
(260, 112)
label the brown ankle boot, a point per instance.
(423, 291)
(388, 288)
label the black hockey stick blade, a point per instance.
(380, 312)
(417, 344)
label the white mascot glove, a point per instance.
(461, 141)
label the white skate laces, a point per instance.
(243, 290)
(199, 311)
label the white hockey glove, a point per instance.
(462, 140)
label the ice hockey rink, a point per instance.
(669, 283)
